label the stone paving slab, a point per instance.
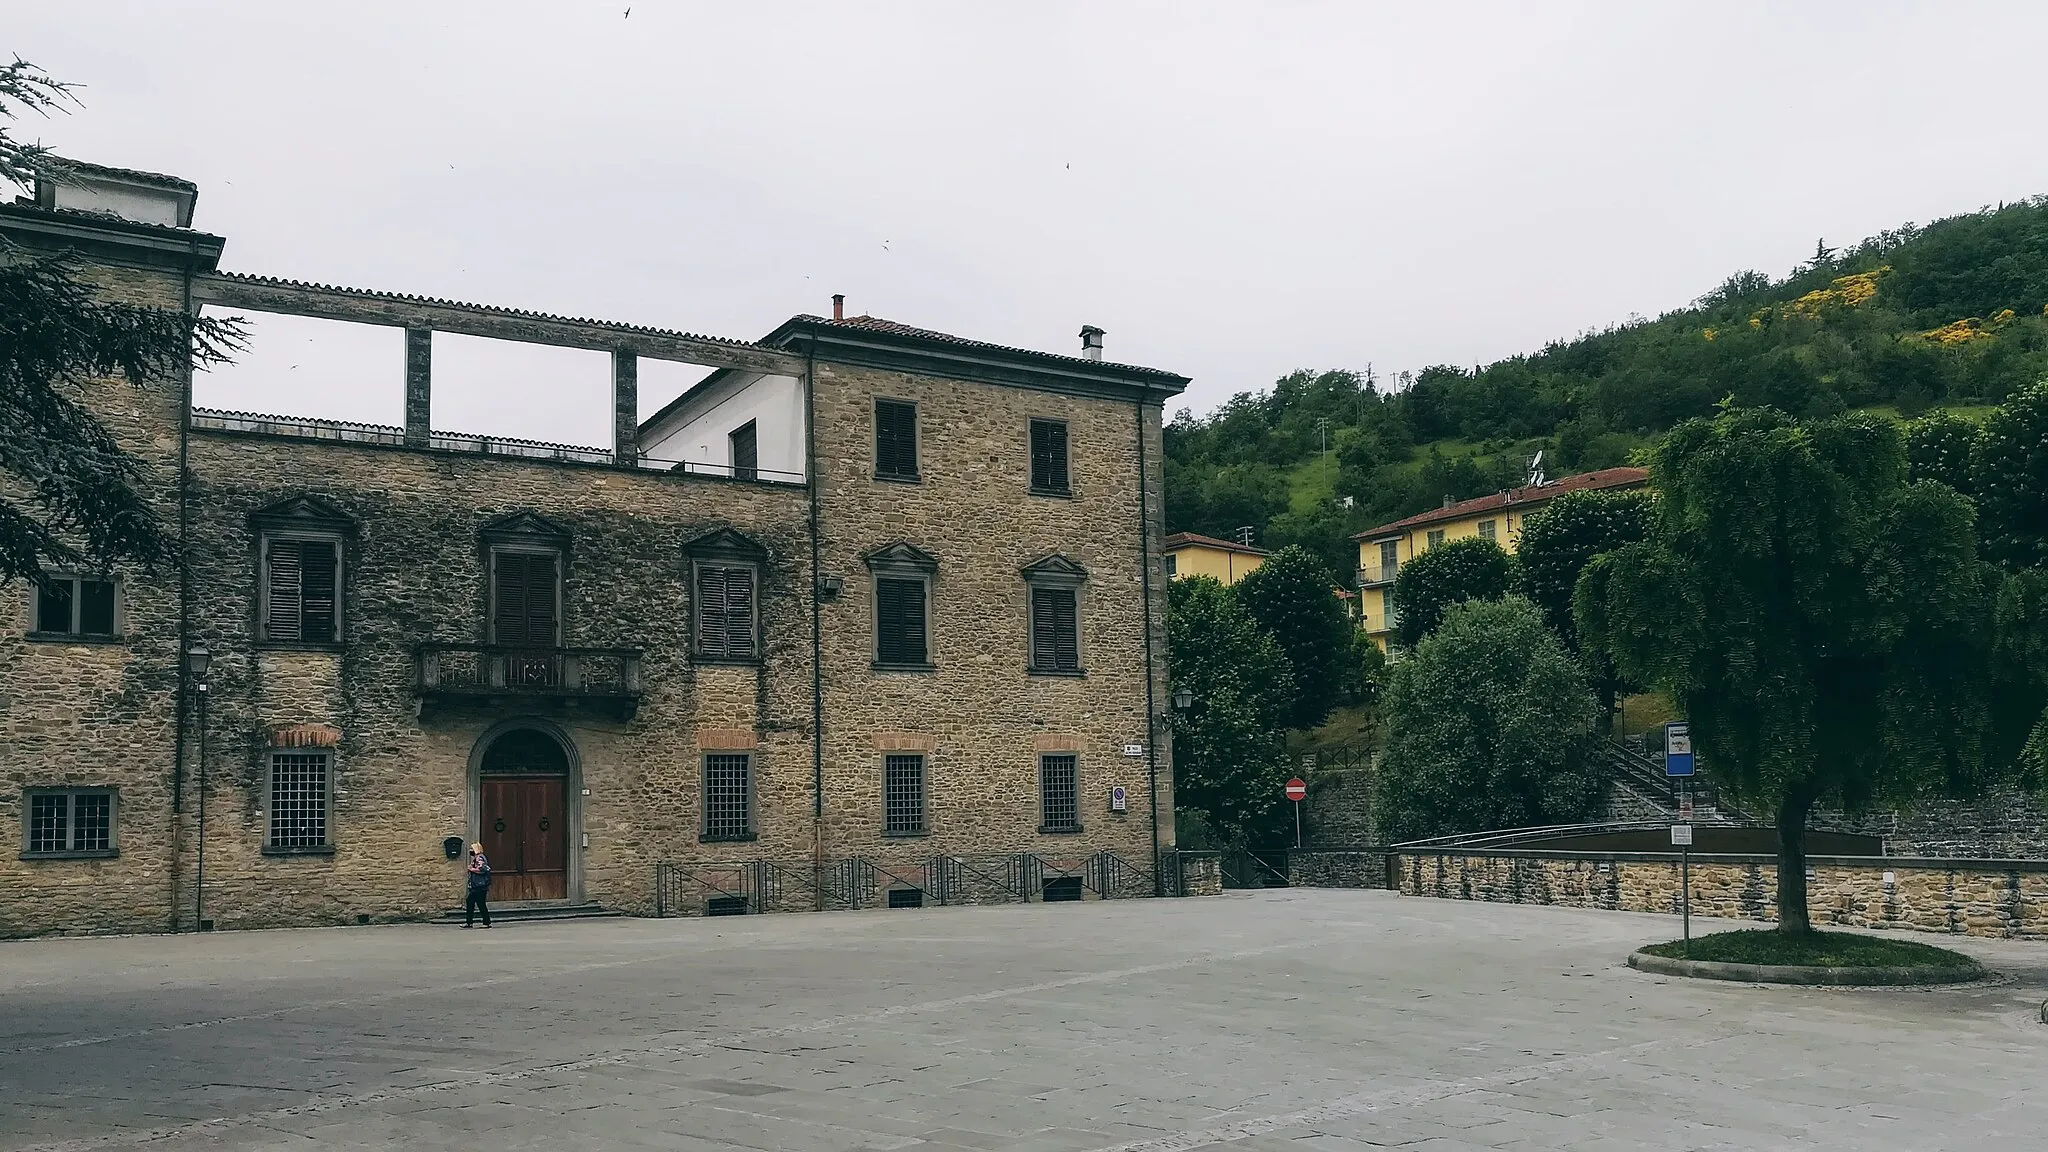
(1301, 1020)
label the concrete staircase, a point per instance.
(550, 910)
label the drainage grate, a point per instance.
(726, 906)
(906, 898)
(1063, 888)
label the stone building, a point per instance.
(868, 611)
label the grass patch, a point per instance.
(1814, 949)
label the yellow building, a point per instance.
(1499, 517)
(1188, 554)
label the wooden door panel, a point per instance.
(529, 861)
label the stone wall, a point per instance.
(2006, 898)
(1314, 869)
(1340, 810)
(2006, 825)
(1201, 873)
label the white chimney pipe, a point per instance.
(1091, 342)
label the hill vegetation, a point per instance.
(1953, 314)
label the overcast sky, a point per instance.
(1232, 191)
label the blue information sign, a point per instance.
(1678, 748)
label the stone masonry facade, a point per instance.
(416, 527)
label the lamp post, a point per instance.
(197, 661)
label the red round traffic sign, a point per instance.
(1297, 790)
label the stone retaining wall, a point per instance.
(2003, 898)
(1366, 868)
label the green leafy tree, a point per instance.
(2010, 477)
(1942, 446)
(1557, 543)
(71, 498)
(1818, 619)
(1489, 725)
(1229, 752)
(1293, 597)
(1470, 568)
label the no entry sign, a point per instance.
(1297, 790)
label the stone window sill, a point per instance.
(916, 835)
(1064, 830)
(297, 646)
(1068, 673)
(72, 638)
(316, 850)
(727, 661)
(83, 854)
(749, 838)
(1055, 493)
(879, 666)
(917, 478)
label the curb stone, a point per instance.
(1807, 974)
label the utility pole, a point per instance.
(1323, 430)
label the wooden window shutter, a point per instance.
(318, 588)
(711, 611)
(899, 618)
(739, 612)
(1049, 455)
(746, 452)
(540, 600)
(1055, 639)
(895, 439)
(526, 599)
(1044, 625)
(509, 626)
(283, 619)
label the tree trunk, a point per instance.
(1604, 689)
(1792, 861)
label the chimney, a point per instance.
(839, 305)
(1091, 342)
(1449, 500)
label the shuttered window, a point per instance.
(895, 440)
(900, 622)
(725, 613)
(746, 452)
(1055, 631)
(301, 591)
(1049, 456)
(526, 612)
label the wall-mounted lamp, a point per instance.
(829, 587)
(1183, 699)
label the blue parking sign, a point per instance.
(1678, 749)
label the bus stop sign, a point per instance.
(1678, 749)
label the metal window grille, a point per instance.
(92, 821)
(298, 800)
(49, 824)
(903, 794)
(1049, 455)
(728, 796)
(1059, 787)
(896, 439)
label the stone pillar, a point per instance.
(625, 409)
(419, 386)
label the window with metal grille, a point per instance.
(900, 622)
(1049, 457)
(906, 898)
(75, 606)
(746, 454)
(301, 582)
(70, 822)
(895, 440)
(903, 795)
(298, 800)
(726, 628)
(1055, 632)
(1059, 792)
(729, 796)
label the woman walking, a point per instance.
(479, 888)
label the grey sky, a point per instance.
(1231, 191)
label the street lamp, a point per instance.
(197, 661)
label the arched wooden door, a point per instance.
(523, 810)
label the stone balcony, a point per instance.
(601, 680)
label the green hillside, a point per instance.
(1952, 315)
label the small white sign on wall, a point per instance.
(1119, 800)
(1134, 750)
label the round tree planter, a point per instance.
(1804, 974)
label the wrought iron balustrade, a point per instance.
(607, 678)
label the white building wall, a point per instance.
(697, 432)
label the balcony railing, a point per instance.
(602, 679)
(1372, 574)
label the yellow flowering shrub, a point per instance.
(1957, 332)
(1846, 291)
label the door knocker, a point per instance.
(543, 823)
(499, 826)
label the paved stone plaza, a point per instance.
(1307, 1020)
